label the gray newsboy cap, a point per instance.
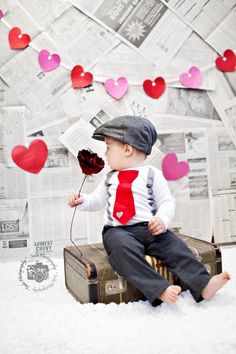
(135, 131)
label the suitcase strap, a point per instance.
(205, 251)
(90, 267)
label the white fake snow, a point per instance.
(51, 321)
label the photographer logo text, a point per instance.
(37, 273)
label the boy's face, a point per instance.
(115, 153)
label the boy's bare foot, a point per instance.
(171, 294)
(216, 283)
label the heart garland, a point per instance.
(79, 78)
(32, 159)
(116, 88)
(17, 40)
(172, 169)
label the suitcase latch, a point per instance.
(115, 286)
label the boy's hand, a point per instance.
(156, 225)
(75, 200)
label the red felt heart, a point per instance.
(31, 159)
(154, 88)
(79, 78)
(18, 40)
(227, 62)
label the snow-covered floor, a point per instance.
(51, 321)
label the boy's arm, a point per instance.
(90, 202)
(164, 200)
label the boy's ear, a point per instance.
(128, 149)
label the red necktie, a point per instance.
(124, 208)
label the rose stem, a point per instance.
(85, 176)
(72, 220)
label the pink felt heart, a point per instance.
(172, 169)
(31, 159)
(1, 14)
(47, 61)
(116, 88)
(192, 79)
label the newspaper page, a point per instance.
(194, 52)
(14, 227)
(147, 26)
(222, 151)
(12, 121)
(60, 164)
(12, 183)
(78, 102)
(213, 20)
(51, 115)
(176, 105)
(44, 12)
(224, 100)
(14, 223)
(60, 174)
(35, 87)
(7, 96)
(57, 116)
(53, 178)
(39, 222)
(79, 135)
(54, 129)
(230, 119)
(12, 179)
(224, 201)
(125, 61)
(15, 17)
(82, 39)
(50, 225)
(193, 205)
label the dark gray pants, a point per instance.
(126, 247)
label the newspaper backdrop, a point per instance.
(138, 39)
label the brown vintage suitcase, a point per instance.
(90, 278)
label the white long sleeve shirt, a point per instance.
(150, 192)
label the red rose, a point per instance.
(90, 163)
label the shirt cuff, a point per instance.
(85, 203)
(164, 220)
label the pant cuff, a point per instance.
(197, 295)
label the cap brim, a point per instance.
(98, 137)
